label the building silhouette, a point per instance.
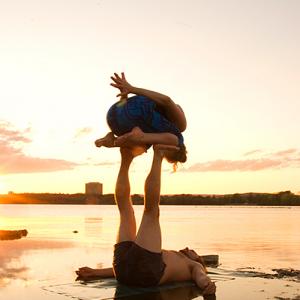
(93, 189)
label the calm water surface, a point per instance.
(259, 237)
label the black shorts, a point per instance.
(134, 265)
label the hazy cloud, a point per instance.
(252, 152)
(234, 165)
(7, 149)
(83, 132)
(106, 163)
(20, 163)
(91, 162)
(10, 135)
(13, 160)
(281, 159)
(286, 152)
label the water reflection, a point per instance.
(182, 293)
(260, 238)
(12, 266)
(93, 227)
(9, 274)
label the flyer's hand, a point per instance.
(121, 84)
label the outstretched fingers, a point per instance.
(117, 79)
(121, 84)
(117, 76)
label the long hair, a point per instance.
(174, 157)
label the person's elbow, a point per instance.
(203, 281)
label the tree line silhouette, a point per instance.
(285, 198)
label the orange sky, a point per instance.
(233, 67)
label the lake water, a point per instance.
(258, 237)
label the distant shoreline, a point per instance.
(285, 198)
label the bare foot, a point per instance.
(107, 141)
(131, 152)
(138, 150)
(135, 135)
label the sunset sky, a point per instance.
(232, 65)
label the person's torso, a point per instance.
(178, 266)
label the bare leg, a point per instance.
(149, 233)
(137, 136)
(127, 229)
(109, 141)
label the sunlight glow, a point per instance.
(3, 188)
(4, 224)
(232, 98)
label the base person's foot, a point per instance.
(135, 135)
(132, 152)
